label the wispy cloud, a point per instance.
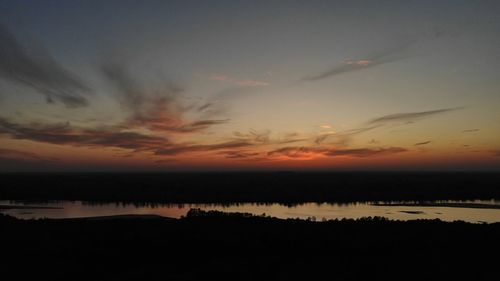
(314, 152)
(239, 82)
(264, 137)
(254, 136)
(343, 137)
(242, 146)
(411, 116)
(109, 137)
(392, 54)
(298, 152)
(358, 62)
(239, 154)
(154, 118)
(200, 125)
(158, 109)
(36, 69)
(186, 148)
(237, 147)
(422, 143)
(366, 152)
(470, 131)
(204, 106)
(12, 154)
(65, 134)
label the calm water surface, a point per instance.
(467, 210)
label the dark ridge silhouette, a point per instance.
(219, 246)
(18, 207)
(226, 188)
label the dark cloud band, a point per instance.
(36, 69)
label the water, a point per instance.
(470, 211)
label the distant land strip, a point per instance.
(444, 204)
(286, 188)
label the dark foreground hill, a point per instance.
(217, 246)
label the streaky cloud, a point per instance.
(65, 134)
(39, 71)
(344, 137)
(107, 137)
(186, 148)
(264, 137)
(157, 110)
(239, 154)
(422, 143)
(286, 141)
(470, 131)
(18, 155)
(392, 54)
(297, 152)
(312, 152)
(199, 125)
(366, 152)
(411, 116)
(254, 136)
(204, 106)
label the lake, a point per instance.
(471, 211)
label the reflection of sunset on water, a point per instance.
(322, 211)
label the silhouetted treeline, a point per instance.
(288, 188)
(216, 246)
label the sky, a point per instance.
(249, 85)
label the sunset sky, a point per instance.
(249, 85)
